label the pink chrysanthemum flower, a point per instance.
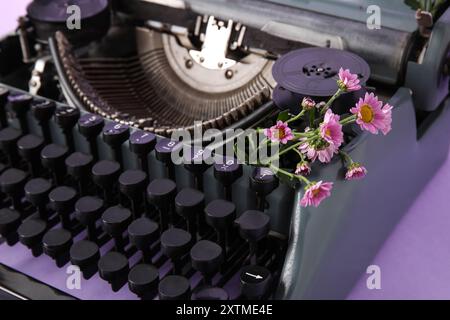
(331, 129)
(279, 133)
(303, 168)
(315, 193)
(372, 116)
(308, 103)
(348, 81)
(355, 172)
(324, 151)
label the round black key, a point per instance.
(143, 232)
(196, 159)
(43, 110)
(142, 142)
(115, 134)
(4, 93)
(84, 253)
(255, 282)
(30, 147)
(105, 173)
(31, 232)
(12, 181)
(174, 287)
(132, 182)
(189, 202)
(62, 200)
(20, 104)
(164, 149)
(36, 192)
(175, 242)
(210, 293)
(52, 157)
(113, 267)
(220, 214)
(161, 192)
(67, 117)
(263, 181)
(115, 220)
(88, 209)
(8, 142)
(253, 225)
(227, 171)
(143, 279)
(90, 125)
(9, 221)
(57, 242)
(206, 257)
(79, 165)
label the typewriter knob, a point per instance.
(52, 157)
(115, 221)
(132, 184)
(113, 267)
(161, 193)
(189, 203)
(8, 141)
(263, 181)
(88, 210)
(12, 182)
(36, 192)
(31, 232)
(9, 221)
(255, 282)
(220, 215)
(142, 233)
(56, 244)
(79, 167)
(90, 126)
(105, 174)
(174, 244)
(174, 287)
(114, 135)
(66, 118)
(20, 104)
(43, 111)
(195, 161)
(227, 173)
(206, 257)
(163, 151)
(143, 280)
(62, 200)
(30, 147)
(85, 254)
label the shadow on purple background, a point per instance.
(415, 259)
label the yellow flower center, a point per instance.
(366, 113)
(279, 133)
(315, 192)
(328, 132)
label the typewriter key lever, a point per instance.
(113, 267)
(56, 244)
(163, 150)
(87, 211)
(43, 111)
(132, 184)
(263, 181)
(143, 281)
(30, 147)
(67, 117)
(62, 200)
(227, 173)
(36, 192)
(174, 244)
(161, 193)
(206, 257)
(114, 135)
(115, 221)
(90, 126)
(85, 254)
(143, 232)
(9, 222)
(141, 144)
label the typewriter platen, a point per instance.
(86, 174)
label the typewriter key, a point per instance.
(31, 232)
(105, 174)
(43, 111)
(189, 204)
(30, 147)
(174, 287)
(56, 244)
(67, 117)
(62, 200)
(253, 226)
(9, 222)
(161, 193)
(12, 182)
(36, 192)
(85, 254)
(263, 181)
(132, 184)
(143, 280)
(141, 144)
(255, 282)
(163, 150)
(174, 244)
(88, 210)
(206, 257)
(8, 143)
(114, 135)
(113, 267)
(115, 221)
(79, 167)
(142, 233)
(52, 158)
(195, 161)
(227, 173)
(20, 104)
(220, 215)
(90, 126)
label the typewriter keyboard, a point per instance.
(80, 190)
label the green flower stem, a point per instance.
(302, 156)
(312, 118)
(346, 157)
(348, 120)
(296, 117)
(330, 102)
(290, 175)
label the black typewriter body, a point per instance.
(86, 176)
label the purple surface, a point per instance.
(414, 262)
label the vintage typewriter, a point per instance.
(87, 116)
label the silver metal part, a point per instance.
(35, 82)
(215, 46)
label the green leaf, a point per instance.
(283, 116)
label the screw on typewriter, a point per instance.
(90, 126)
(227, 172)
(263, 181)
(141, 144)
(67, 117)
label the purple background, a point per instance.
(415, 259)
